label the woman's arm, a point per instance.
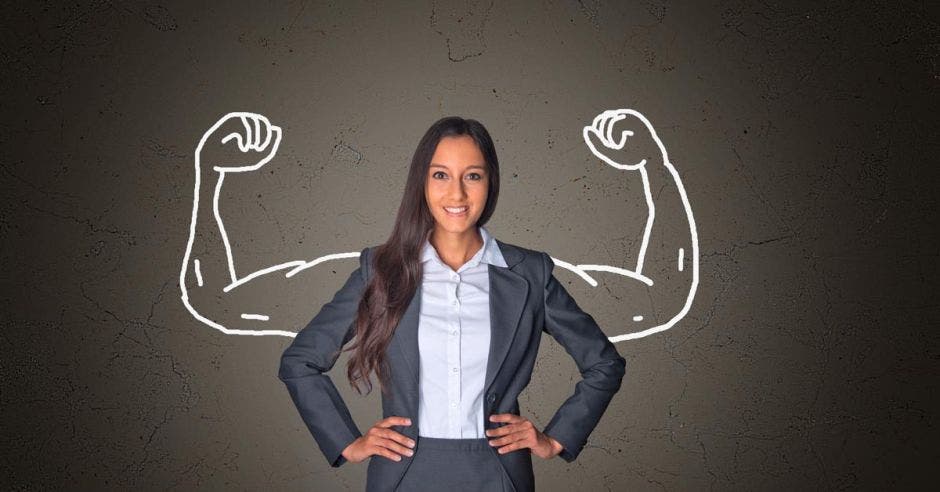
(602, 368)
(313, 352)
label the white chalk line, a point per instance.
(198, 271)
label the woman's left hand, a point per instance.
(520, 433)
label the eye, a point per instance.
(475, 176)
(436, 173)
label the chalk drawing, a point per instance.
(602, 129)
(257, 141)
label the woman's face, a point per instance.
(457, 184)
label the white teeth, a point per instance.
(455, 210)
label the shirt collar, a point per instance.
(489, 253)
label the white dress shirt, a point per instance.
(454, 342)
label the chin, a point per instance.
(450, 225)
(456, 229)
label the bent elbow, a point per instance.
(618, 368)
(287, 368)
(621, 367)
(606, 375)
(295, 365)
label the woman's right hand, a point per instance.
(381, 440)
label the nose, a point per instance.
(456, 189)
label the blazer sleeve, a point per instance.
(601, 366)
(312, 354)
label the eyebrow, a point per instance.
(475, 166)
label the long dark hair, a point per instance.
(396, 264)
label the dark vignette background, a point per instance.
(805, 133)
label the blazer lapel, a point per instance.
(406, 337)
(508, 294)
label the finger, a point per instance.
(610, 127)
(255, 143)
(246, 145)
(507, 439)
(393, 420)
(623, 139)
(593, 140)
(266, 128)
(397, 436)
(599, 127)
(598, 121)
(272, 148)
(510, 447)
(384, 452)
(509, 417)
(395, 447)
(519, 425)
(602, 119)
(604, 125)
(618, 144)
(500, 431)
(234, 135)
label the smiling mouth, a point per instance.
(456, 211)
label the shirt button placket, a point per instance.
(456, 278)
(455, 370)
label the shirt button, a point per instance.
(455, 302)
(454, 369)
(453, 404)
(453, 332)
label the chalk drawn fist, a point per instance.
(619, 138)
(238, 142)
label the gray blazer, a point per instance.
(525, 300)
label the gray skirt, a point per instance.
(455, 465)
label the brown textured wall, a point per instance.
(806, 137)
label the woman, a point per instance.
(449, 389)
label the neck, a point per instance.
(456, 248)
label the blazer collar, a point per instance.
(508, 294)
(489, 253)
